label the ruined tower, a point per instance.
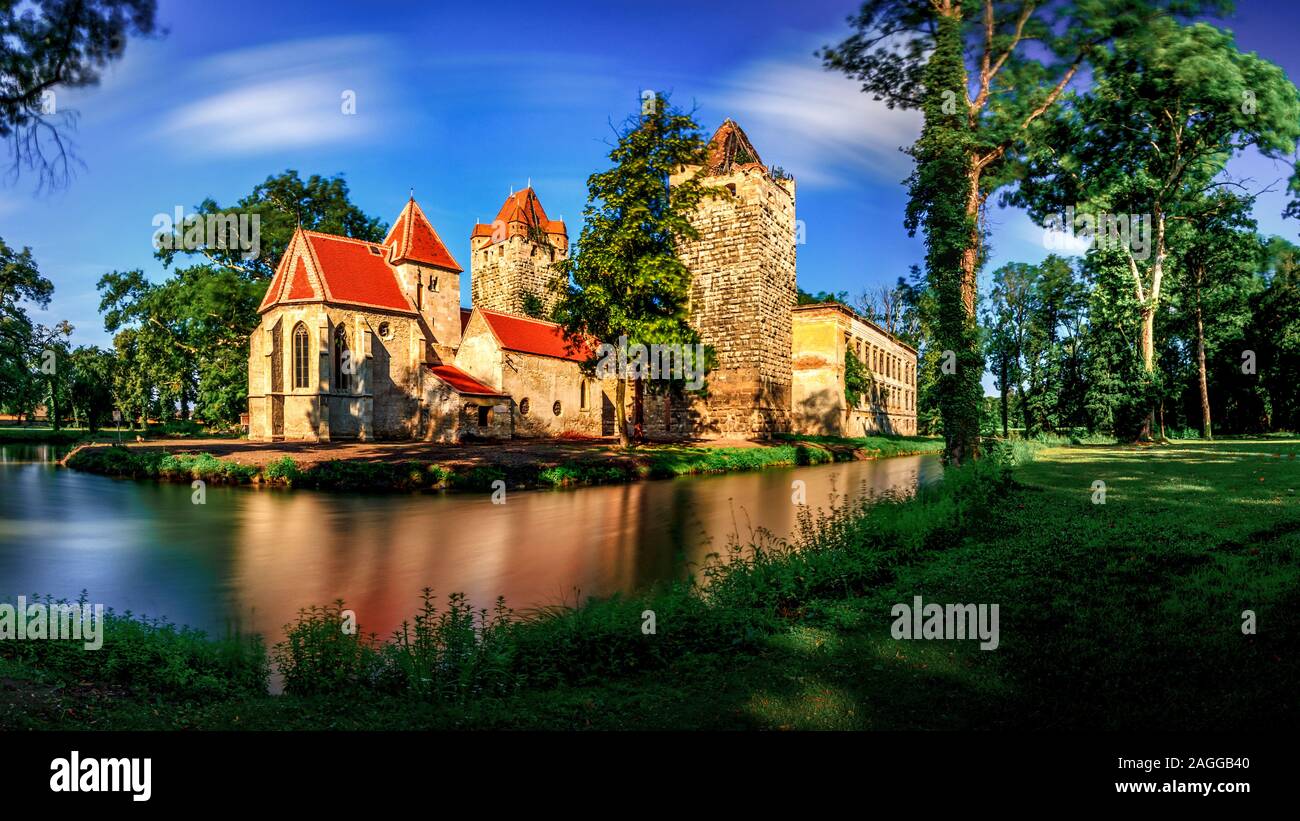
(511, 258)
(743, 287)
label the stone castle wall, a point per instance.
(742, 291)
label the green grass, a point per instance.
(42, 436)
(651, 461)
(1125, 614)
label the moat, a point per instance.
(249, 558)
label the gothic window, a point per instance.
(343, 364)
(300, 353)
(582, 394)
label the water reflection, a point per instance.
(249, 558)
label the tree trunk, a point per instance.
(53, 409)
(1149, 311)
(1005, 432)
(638, 409)
(1206, 430)
(620, 411)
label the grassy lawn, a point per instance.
(1126, 614)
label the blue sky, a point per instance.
(465, 101)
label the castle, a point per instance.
(363, 340)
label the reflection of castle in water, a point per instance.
(554, 546)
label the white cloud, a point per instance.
(819, 125)
(283, 95)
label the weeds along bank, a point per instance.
(353, 475)
(452, 653)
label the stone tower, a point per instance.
(510, 259)
(743, 287)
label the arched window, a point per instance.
(343, 364)
(301, 348)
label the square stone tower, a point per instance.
(743, 287)
(511, 258)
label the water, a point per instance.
(249, 558)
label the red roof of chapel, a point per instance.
(332, 268)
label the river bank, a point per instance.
(1123, 614)
(419, 466)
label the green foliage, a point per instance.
(183, 342)
(806, 298)
(857, 379)
(626, 277)
(50, 44)
(153, 658)
(939, 191)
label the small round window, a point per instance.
(555, 409)
(384, 330)
(523, 407)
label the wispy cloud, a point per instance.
(820, 124)
(288, 94)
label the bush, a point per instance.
(153, 658)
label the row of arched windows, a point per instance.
(343, 366)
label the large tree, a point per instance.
(187, 344)
(1219, 253)
(984, 73)
(1168, 108)
(21, 286)
(48, 45)
(625, 278)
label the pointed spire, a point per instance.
(413, 238)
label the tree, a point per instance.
(188, 340)
(1217, 254)
(1007, 324)
(91, 386)
(939, 195)
(50, 44)
(21, 284)
(625, 278)
(914, 54)
(281, 204)
(1168, 107)
(49, 357)
(1273, 337)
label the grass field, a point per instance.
(1122, 614)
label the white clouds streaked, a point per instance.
(283, 95)
(819, 125)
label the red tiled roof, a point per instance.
(277, 281)
(413, 238)
(534, 336)
(462, 382)
(523, 207)
(354, 273)
(465, 314)
(301, 288)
